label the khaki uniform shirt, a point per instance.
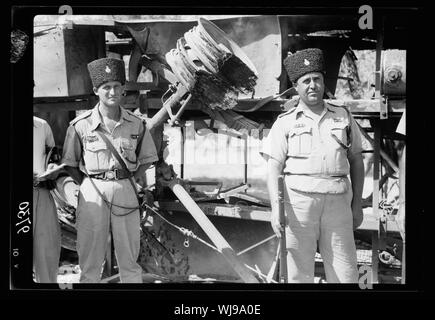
(314, 149)
(82, 142)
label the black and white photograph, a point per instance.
(264, 150)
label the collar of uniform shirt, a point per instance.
(96, 117)
(305, 110)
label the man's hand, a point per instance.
(75, 173)
(56, 170)
(51, 173)
(140, 174)
(140, 179)
(357, 214)
(276, 225)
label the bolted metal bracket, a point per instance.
(383, 101)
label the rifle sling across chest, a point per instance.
(118, 158)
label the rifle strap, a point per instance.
(120, 160)
(139, 141)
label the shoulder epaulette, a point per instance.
(338, 106)
(140, 117)
(133, 114)
(287, 112)
(334, 104)
(291, 105)
(81, 116)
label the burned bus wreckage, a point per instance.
(221, 79)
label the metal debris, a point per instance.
(212, 67)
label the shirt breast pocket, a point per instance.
(128, 150)
(300, 142)
(339, 134)
(96, 156)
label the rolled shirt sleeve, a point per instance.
(356, 146)
(275, 145)
(148, 152)
(72, 149)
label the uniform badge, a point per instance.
(299, 125)
(338, 119)
(108, 69)
(91, 138)
(306, 62)
(134, 136)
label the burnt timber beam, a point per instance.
(207, 226)
(224, 210)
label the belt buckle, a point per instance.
(110, 175)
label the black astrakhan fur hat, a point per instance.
(303, 62)
(105, 70)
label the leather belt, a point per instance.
(316, 175)
(116, 174)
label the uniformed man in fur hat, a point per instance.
(107, 150)
(316, 145)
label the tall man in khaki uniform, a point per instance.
(316, 145)
(107, 199)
